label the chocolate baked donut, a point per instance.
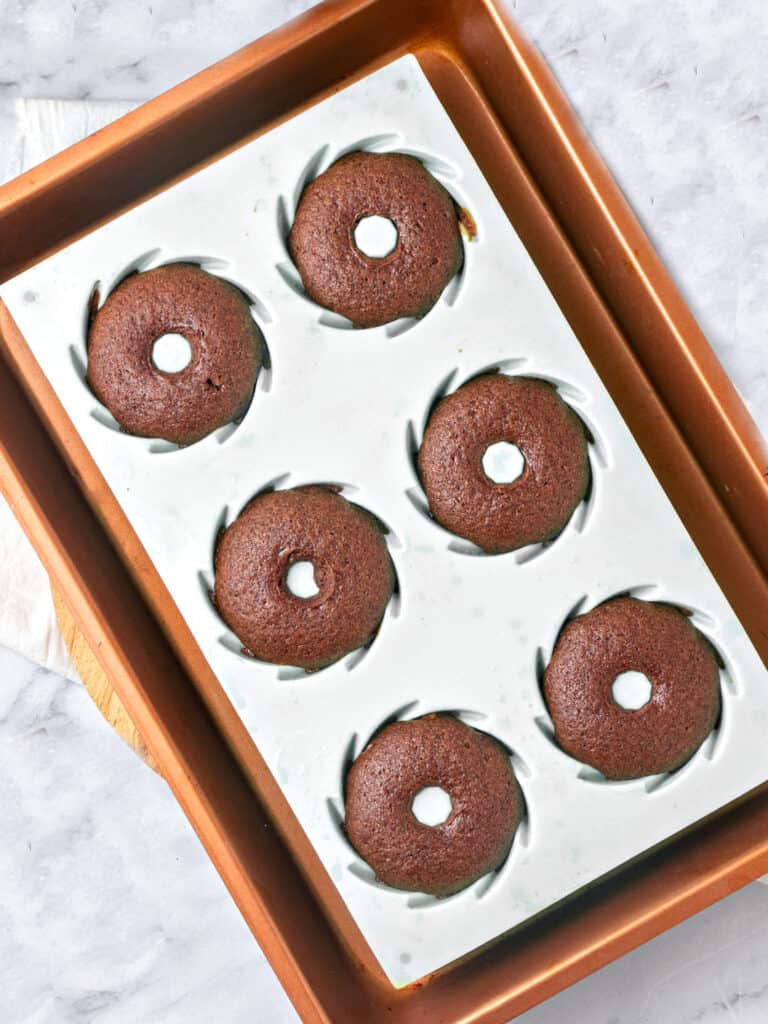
(353, 574)
(629, 635)
(522, 411)
(371, 290)
(407, 757)
(226, 345)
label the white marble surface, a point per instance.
(110, 911)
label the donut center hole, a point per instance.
(375, 236)
(631, 690)
(171, 353)
(431, 806)
(503, 463)
(300, 580)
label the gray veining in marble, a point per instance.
(110, 909)
(110, 912)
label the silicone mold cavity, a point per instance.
(729, 689)
(599, 458)
(361, 871)
(229, 640)
(446, 173)
(151, 260)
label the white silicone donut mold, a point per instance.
(467, 629)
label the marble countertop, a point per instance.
(110, 910)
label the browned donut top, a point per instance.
(370, 290)
(625, 635)
(486, 804)
(217, 384)
(522, 411)
(352, 570)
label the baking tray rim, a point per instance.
(34, 519)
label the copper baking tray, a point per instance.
(641, 338)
